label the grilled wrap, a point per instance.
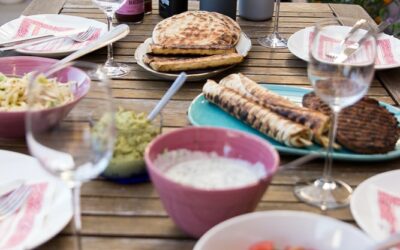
(316, 121)
(259, 117)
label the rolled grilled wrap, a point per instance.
(316, 121)
(259, 117)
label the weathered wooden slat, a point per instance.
(121, 243)
(43, 7)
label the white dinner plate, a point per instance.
(25, 26)
(360, 205)
(243, 47)
(298, 45)
(19, 166)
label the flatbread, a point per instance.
(198, 30)
(261, 118)
(171, 64)
(315, 120)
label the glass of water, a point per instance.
(339, 79)
(113, 69)
(74, 141)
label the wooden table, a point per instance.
(131, 216)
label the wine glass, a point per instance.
(113, 69)
(339, 83)
(76, 146)
(274, 40)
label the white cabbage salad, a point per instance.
(13, 93)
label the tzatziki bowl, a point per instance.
(205, 175)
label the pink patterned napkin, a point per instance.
(387, 52)
(17, 230)
(31, 27)
(386, 212)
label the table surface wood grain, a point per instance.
(132, 216)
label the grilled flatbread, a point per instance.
(159, 49)
(316, 121)
(171, 64)
(257, 116)
(195, 32)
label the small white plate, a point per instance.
(19, 166)
(243, 47)
(48, 24)
(298, 45)
(360, 205)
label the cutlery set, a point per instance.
(343, 51)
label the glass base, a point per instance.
(114, 69)
(273, 40)
(324, 194)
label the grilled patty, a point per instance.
(365, 127)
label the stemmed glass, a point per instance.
(76, 146)
(339, 83)
(113, 69)
(274, 40)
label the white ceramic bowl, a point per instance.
(284, 228)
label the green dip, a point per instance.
(134, 132)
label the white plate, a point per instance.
(60, 47)
(284, 228)
(360, 205)
(243, 47)
(298, 45)
(19, 166)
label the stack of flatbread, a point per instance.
(194, 40)
(270, 113)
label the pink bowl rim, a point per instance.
(273, 169)
(43, 59)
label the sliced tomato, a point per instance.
(263, 245)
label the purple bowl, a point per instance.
(197, 210)
(12, 123)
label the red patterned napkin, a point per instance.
(386, 50)
(17, 229)
(386, 212)
(31, 27)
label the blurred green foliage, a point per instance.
(378, 9)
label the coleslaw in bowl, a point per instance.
(61, 92)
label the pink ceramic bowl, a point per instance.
(12, 123)
(197, 210)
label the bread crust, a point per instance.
(171, 64)
(195, 32)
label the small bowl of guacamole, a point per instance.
(134, 132)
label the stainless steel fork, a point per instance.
(346, 51)
(80, 37)
(13, 201)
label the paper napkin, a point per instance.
(26, 27)
(17, 229)
(386, 49)
(385, 207)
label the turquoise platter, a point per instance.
(203, 113)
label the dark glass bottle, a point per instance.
(169, 8)
(132, 11)
(147, 7)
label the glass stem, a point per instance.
(110, 53)
(77, 225)
(327, 174)
(276, 19)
